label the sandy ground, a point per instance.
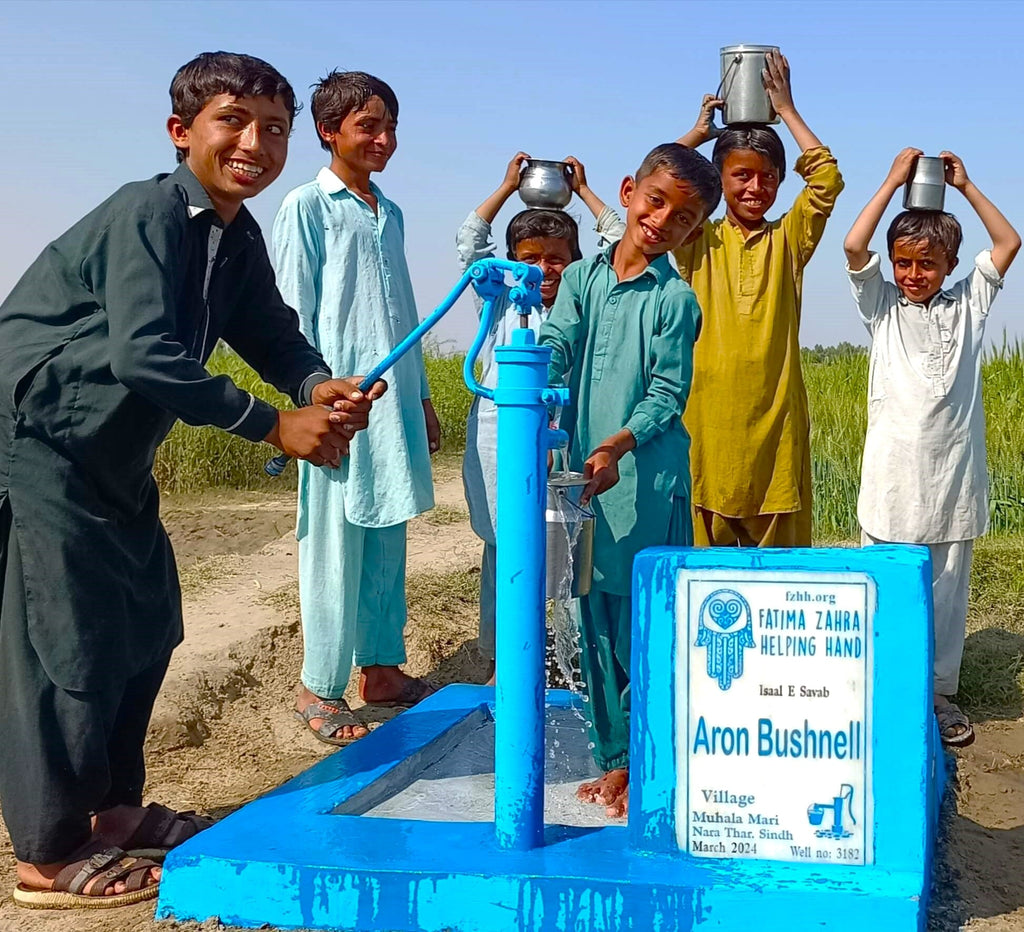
(223, 731)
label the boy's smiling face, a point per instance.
(552, 254)
(750, 184)
(366, 138)
(236, 147)
(662, 212)
(920, 268)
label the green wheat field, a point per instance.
(195, 459)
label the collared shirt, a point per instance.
(343, 268)
(747, 414)
(625, 350)
(480, 464)
(102, 346)
(924, 477)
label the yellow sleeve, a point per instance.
(686, 256)
(804, 225)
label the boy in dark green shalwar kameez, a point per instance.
(102, 346)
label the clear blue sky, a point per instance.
(86, 101)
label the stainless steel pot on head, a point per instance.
(742, 85)
(546, 184)
(926, 186)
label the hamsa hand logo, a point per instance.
(725, 629)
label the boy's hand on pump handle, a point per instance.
(320, 432)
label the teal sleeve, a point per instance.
(671, 368)
(563, 329)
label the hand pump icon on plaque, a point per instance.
(841, 808)
(725, 629)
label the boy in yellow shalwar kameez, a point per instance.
(747, 414)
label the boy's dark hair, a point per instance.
(936, 226)
(686, 165)
(338, 93)
(533, 223)
(762, 139)
(213, 73)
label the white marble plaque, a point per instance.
(773, 698)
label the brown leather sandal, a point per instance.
(82, 882)
(162, 829)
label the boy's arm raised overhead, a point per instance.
(859, 238)
(805, 221)
(780, 91)
(609, 227)
(473, 241)
(704, 129)
(1005, 239)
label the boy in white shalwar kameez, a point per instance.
(924, 478)
(340, 246)
(550, 239)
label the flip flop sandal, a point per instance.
(162, 829)
(413, 690)
(335, 714)
(955, 728)
(98, 868)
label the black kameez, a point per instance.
(102, 346)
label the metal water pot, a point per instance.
(545, 184)
(926, 186)
(570, 538)
(742, 86)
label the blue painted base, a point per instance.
(288, 860)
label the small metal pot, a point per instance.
(570, 538)
(742, 86)
(926, 186)
(545, 184)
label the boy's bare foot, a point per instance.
(343, 732)
(607, 790)
(620, 808)
(388, 685)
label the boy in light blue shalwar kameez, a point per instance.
(340, 248)
(550, 239)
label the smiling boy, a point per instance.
(102, 346)
(924, 478)
(621, 332)
(550, 240)
(340, 246)
(748, 414)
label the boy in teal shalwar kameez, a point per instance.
(621, 332)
